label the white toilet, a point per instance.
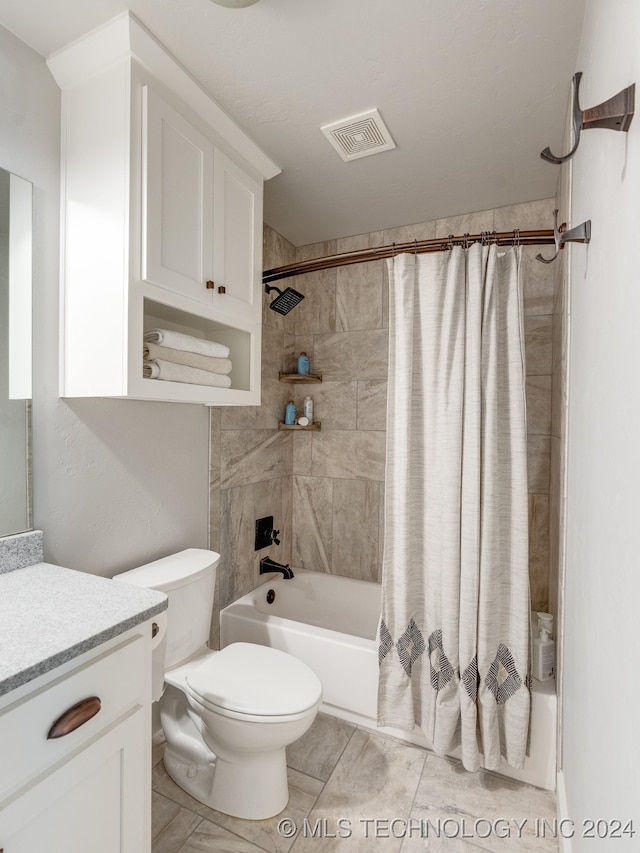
(227, 716)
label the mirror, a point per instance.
(15, 353)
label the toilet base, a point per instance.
(254, 788)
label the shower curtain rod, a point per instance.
(542, 237)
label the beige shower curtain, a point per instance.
(454, 631)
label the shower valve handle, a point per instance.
(273, 535)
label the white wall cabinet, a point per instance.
(89, 789)
(162, 220)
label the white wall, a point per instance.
(601, 755)
(116, 483)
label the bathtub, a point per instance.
(330, 623)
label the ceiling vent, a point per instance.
(359, 135)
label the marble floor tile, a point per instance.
(490, 811)
(171, 825)
(380, 793)
(318, 752)
(208, 836)
(163, 812)
(374, 781)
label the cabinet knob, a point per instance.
(211, 285)
(222, 289)
(155, 628)
(74, 717)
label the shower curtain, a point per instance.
(454, 630)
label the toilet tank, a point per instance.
(188, 580)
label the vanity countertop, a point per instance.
(50, 615)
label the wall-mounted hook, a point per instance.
(579, 234)
(614, 114)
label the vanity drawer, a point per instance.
(113, 681)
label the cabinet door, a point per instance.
(97, 801)
(177, 201)
(237, 246)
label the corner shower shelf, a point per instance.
(307, 378)
(314, 427)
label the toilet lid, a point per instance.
(251, 679)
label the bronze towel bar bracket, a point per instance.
(614, 114)
(579, 234)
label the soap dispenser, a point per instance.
(544, 649)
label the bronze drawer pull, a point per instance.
(75, 717)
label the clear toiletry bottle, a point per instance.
(308, 409)
(290, 413)
(303, 364)
(544, 649)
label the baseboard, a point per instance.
(563, 811)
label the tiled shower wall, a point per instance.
(326, 489)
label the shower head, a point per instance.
(287, 299)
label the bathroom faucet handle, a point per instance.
(274, 536)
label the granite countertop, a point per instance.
(49, 615)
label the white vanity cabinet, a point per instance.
(88, 789)
(162, 220)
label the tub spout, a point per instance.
(268, 565)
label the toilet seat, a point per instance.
(251, 682)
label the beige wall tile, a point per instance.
(538, 343)
(274, 398)
(334, 403)
(272, 346)
(277, 251)
(408, 233)
(356, 520)
(556, 522)
(469, 223)
(559, 380)
(348, 454)
(538, 389)
(312, 518)
(352, 355)
(359, 296)
(316, 250)
(526, 216)
(359, 242)
(238, 533)
(537, 282)
(372, 405)
(317, 311)
(252, 455)
(302, 442)
(538, 463)
(539, 551)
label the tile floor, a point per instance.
(352, 789)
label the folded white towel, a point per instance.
(193, 359)
(178, 340)
(171, 372)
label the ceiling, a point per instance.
(471, 91)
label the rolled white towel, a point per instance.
(171, 372)
(180, 356)
(178, 340)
